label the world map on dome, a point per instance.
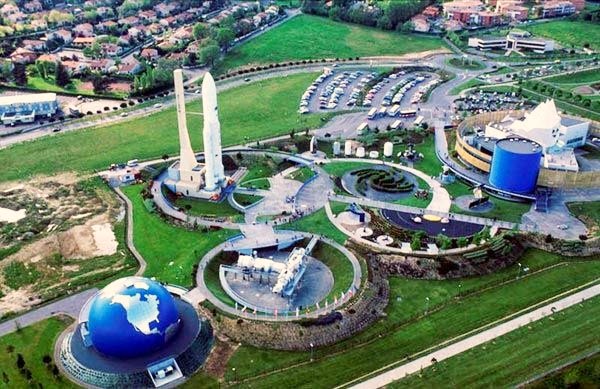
(132, 316)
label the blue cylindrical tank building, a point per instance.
(515, 165)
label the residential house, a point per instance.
(16, 17)
(124, 40)
(104, 12)
(129, 21)
(579, 4)
(149, 54)
(102, 65)
(32, 6)
(193, 47)
(431, 12)
(516, 12)
(488, 18)
(453, 25)
(111, 49)
(169, 21)
(47, 58)
(182, 35)
(38, 24)
(106, 26)
(130, 67)
(155, 28)
(462, 6)
(557, 8)
(24, 56)
(164, 10)
(420, 23)
(75, 67)
(82, 42)
(9, 9)
(34, 44)
(63, 34)
(148, 16)
(84, 30)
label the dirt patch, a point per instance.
(216, 364)
(584, 90)
(18, 300)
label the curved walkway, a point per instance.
(475, 340)
(205, 291)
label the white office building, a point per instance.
(25, 108)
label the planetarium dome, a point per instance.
(131, 317)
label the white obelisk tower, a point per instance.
(215, 173)
(187, 160)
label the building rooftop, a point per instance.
(519, 146)
(28, 98)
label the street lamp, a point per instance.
(459, 286)
(234, 374)
(312, 349)
(519, 273)
(426, 304)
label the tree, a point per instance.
(210, 54)
(61, 75)
(99, 83)
(200, 31)
(224, 36)
(19, 74)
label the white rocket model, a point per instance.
(215, 173)
(187, 162)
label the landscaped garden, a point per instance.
(589, 213)
(465, 63)
(482, 300)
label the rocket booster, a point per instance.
(186, 154)
(215, 173)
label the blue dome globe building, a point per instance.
(135, 333)
(132, 317)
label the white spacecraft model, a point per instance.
(187, 176)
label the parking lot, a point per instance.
(479, 102)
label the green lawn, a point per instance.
(313, 37)
(316, 223)
(589, 213)
(199, 207)
(242, 116)
(402, 332)
(569, 32)
(170, 252)
(303, 174)
(75, 87)
(461, 63)
(541, 346)
(246, 199)
(339, 168)
(465, 85)
(340, 266)
(33, 343)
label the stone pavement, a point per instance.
(274, 200)
(477, 339)
(69, 306)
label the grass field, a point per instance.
(170, 252)
(569, 32)
(313, 37)
(246, 199)
(584, 373)
(339, 168)
(33, 343)
(403, 332)
(242, 116)
(584, 77)
(541, 346)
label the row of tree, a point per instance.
(392, 16)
